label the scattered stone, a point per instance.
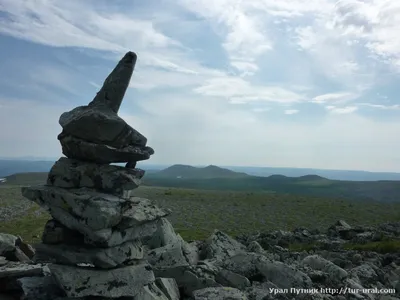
(27, 249)
(170, 255)
(283, 275)
(231, 279)
(169, 287)
(335, 273)
(219, 293)
(221, 246)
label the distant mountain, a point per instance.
(189, 172)
(9, 167)
(308, 185)
(351, 175)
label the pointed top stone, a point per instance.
(114, 87)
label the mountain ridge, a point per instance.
(9, 166)
(190, 172)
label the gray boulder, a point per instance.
(219, 293)
(231, 279)
(7, 243)
(114, 283)
(365, 273)
(169, 287)
(334, 272)
(283, 275)
(170, 255)
(220, 246)
(190, 278)
(39, 288)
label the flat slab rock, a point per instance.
(104, 258)
(96, 210)
(153, 234)
(76, 148)
(18, 270)
(121, 282)
(115, 180)
(100, 125)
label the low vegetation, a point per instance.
(196, 213)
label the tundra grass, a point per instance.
(196, 213)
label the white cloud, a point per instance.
(238, 90)
(291, 111)
(240, 25)
(381, 106)
(373, 23)
(341, 110)
(281, 143)
(195, 121)
(338, 97)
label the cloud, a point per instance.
(381, 106)
(338, 97)
(239, 25)
(341, 110)
(210, 76)
(291, 111)
(215, 134)
(238, 90)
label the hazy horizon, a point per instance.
(149, 162)
(256, 83)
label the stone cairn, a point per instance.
(99, 234)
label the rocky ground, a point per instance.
(323, 265)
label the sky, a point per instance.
(225, 82)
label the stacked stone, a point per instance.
(99, 233)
